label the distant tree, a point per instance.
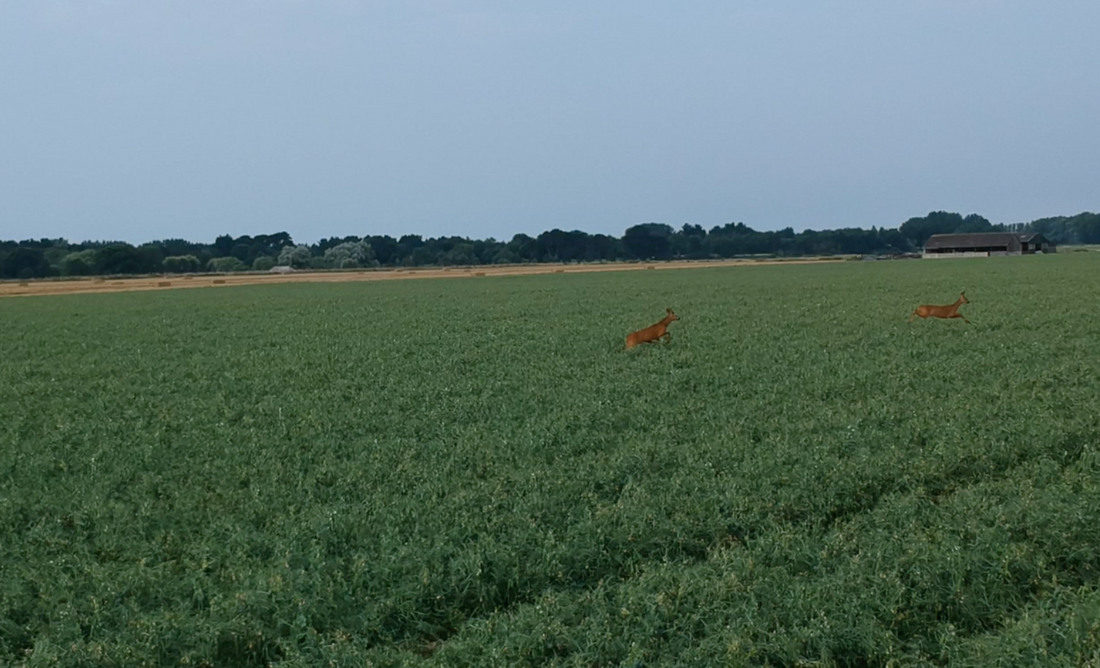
(181, 264)
(178, 247)
(504, 256)
(350, 254)
(263, 263)
(54, 256)
(602, 247)
(420, 257)
(459, 254)
(648, 241)
(152, 257)
(410, 241)
(242, 252)
(122, 258)
(688, 240)
(559, 246)
(523, 247)
(385, 249)
(918, 230)
(80, 263)
(41, 257)
(485, 250)
(274, 243)
(25, 263)
(295, 256)
(1086, 227)
(973, 223)
(223, 245)
(325, 244)
(689, 230)
(226, 265)
(1054, 228)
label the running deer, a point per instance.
(949, 311)
(653, 332)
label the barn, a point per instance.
(985, 244)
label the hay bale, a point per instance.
(24, 284)
(651, 267)
(219, 281)
(480, 273)
(164, 284)
(559, 271)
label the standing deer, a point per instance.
(948, 311)
(653, 332)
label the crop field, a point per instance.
(475, 473)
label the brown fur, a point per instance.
(653, 332)
(948, 311)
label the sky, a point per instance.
(136, 120)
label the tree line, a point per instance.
(39, 258)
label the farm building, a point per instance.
(985, 244)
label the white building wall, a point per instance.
(961, 254)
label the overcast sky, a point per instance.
(144, 119)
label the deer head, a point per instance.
(671, 315)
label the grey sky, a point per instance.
(143, 119)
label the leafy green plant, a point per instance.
(472, 473)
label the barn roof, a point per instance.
(1033, 237)
(976, 240)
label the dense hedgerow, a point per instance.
(473, 472)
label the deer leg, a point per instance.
(960, 315)
(913, 315)
(667, 336)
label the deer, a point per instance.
(653, 332)
(948, 311)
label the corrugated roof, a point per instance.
(976, 240)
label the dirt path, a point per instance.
(97, 285)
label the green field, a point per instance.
(472, 472)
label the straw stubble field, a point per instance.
(474, 473)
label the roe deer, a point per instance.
(949, 311)
(653, 332)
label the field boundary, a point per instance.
(182, 281)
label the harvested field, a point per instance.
(98, 285)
